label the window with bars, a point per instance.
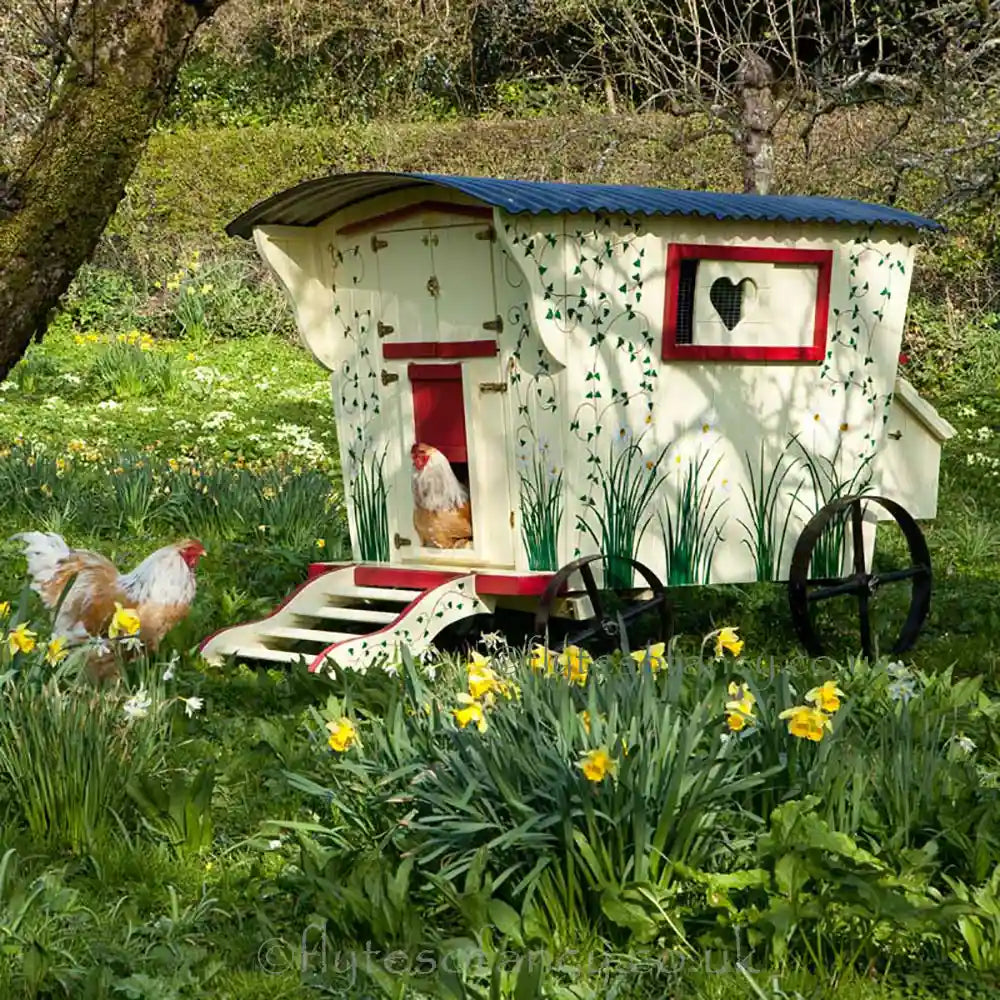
(746, 303)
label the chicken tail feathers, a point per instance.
(45, 552)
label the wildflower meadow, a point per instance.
(709, 814)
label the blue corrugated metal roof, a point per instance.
(309, 203)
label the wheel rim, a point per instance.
(804, 592)
(602, 624)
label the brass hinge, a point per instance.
(383, 330)
(512, 519)
(489, 233)
(433, 286)
(492, 386)
(494, 324)
(378, 244)
(388, 377)
(399, 541)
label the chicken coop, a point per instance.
(618, 390)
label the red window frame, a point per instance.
(677, 252)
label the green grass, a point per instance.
(194, 867)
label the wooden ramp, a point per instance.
(357, 616)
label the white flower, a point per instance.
(273, 845)
(965, 744)
(108, 404)
(897, 669)
(168, 674)
(192, 705)
(902, 690)
(71, 378)
(137, 707)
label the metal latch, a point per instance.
(378, 244)
(399, 541)
(492, 386)
(388, 377)
(494, 324)
(433, 286)
(895, 435)
(383, 330)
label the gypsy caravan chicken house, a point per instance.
(527, 373)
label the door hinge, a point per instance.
(512, 519)
(489, 233)
(494, 324)
(378, 244)
(383, 330)
(399, 541)
(492, 386)
(895, 435)
(429, 239)
(388, 377)
(433, 286)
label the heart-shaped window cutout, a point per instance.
(729, 298)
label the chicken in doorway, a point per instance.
(442, 514)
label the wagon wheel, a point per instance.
(607, 624)
(803, 592)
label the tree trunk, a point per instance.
(757, 122)
(124, 56)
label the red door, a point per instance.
(439, 409)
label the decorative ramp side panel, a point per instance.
(416, 627)
(306, 600)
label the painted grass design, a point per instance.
(828, 556)
(371, 508)
(763, 539)
(627, 484)
(541, 512)
(689, 533)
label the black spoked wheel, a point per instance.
(846, 517)
(614, 611)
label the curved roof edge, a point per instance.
(311, 202)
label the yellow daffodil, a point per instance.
(321, 543)
(56, 651)
(125, 621)
(471, 711)
(542, 659)
(342, 734)
(585, 719)
(4, 609)
(655, 656)
(727, 639)
(741, 703)
(596, 765)
(807, 723)
(575, 663)
(483, 682)
(736, 721)
(827, 696)
(21, 639)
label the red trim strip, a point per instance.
(400, 578)
(388, 218)
(434, 349)
(438, 373)
(497, 585)
(672, 351)
(318, 569)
